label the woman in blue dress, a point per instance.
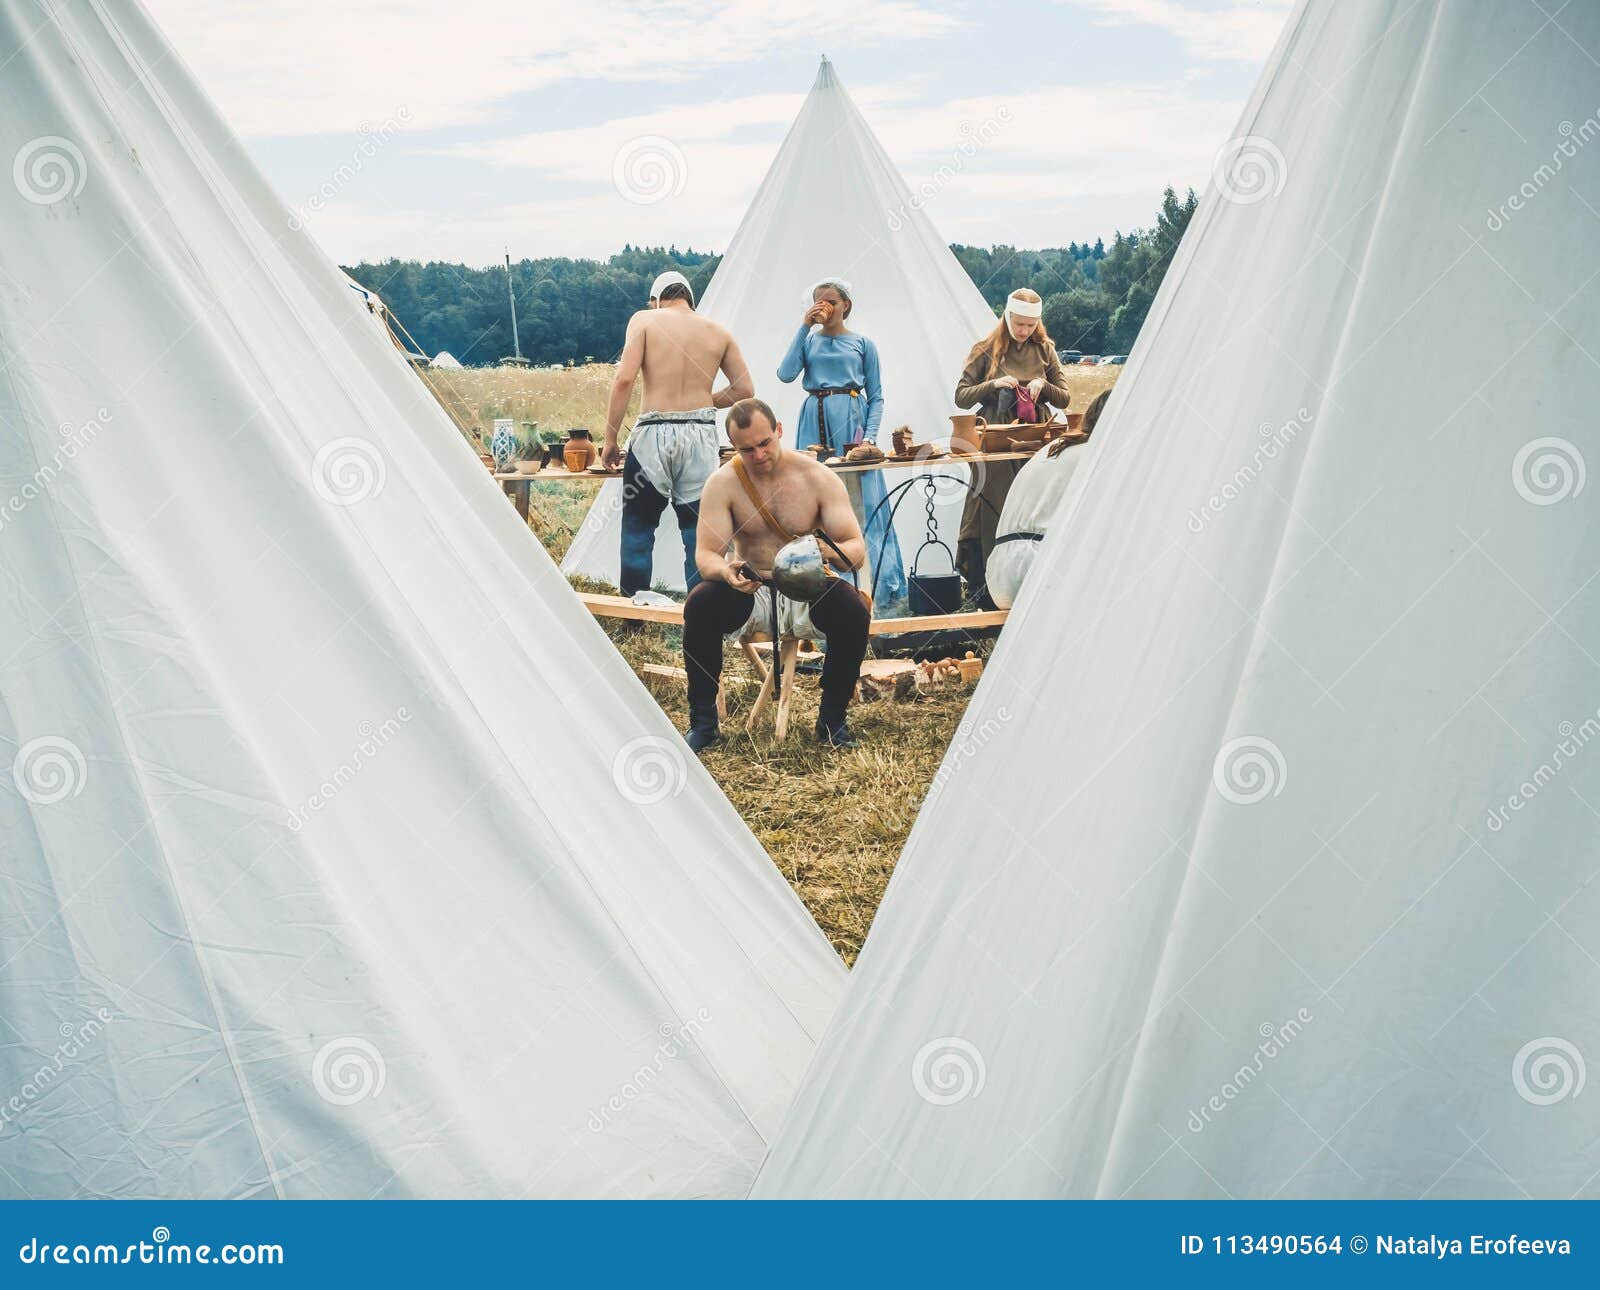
(844, 407)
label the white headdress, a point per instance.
(1017, 308)
(838, 284)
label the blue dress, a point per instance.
(849, 362)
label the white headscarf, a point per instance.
(1016, 308)
(838, 284)
(670, 278)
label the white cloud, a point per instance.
(1235, 30)
(1033, 182)
(295, 67)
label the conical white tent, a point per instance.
(912, 298)
(342, 856)
(1283, 885)
(446, 360)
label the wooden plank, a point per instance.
(622, 607)
(602, 606)
(678, 674)
(939, 622)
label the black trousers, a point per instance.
(714, 609)
(642, 506)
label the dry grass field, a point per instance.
(834, 823)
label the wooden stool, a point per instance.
(789, 654)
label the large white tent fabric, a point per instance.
(912, 298)
(342, 855)
(1284, 886)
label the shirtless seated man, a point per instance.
(673, 448)
(802, 495)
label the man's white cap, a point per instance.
(670, 278)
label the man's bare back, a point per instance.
(678, 354)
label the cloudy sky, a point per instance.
(462, 127)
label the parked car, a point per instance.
(1089, 360)
(1070, 356)
(1113, 360)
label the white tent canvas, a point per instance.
(1285, 886)
(912, 298)
(340, 855)
(446, 360)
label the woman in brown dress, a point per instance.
(1012, 374)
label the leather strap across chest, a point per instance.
(756, 500)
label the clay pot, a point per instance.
(578, 451)
(966, 432)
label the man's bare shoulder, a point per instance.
(811, 473)
(718, 483)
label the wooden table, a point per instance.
(517, 486)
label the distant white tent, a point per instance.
(446, 360)
(1282, 883)
(340, 855)
(912, 297)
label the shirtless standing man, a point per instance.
(802, 495)
(673, 448)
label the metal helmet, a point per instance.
(798, 570)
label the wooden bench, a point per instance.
(602, 606)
